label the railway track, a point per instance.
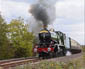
(5, 64)
(66, 58)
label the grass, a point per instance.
(74, 64)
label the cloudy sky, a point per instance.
(69, 15)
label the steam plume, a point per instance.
(43, 13)
(40, 13)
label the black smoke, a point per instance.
(40, 14)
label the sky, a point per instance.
(69, 15)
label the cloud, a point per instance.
(24, 1)
(70, 18)
(12, 9)
(72, 9)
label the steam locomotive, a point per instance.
(52, 44)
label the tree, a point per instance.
(20, 38)
(4, 42)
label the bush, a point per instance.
(21, 52)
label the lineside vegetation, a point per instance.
(15, 39)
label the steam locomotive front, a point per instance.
(44, 41)
(44, 47)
